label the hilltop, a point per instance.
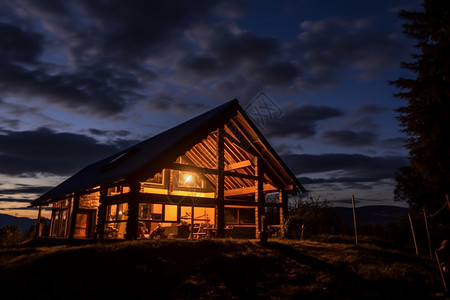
(218, 269)
(23, 222)
(372, 215)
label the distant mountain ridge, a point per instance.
(372, 215)
(23, 223)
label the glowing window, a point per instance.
(149, 211)
(189, 180)
(170, 213)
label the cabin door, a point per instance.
(85, 223)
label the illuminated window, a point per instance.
(189, 180)
(116, 220)
(201, 214)
(171, 213)
(118, 189)
(149, 211)
(60, 215)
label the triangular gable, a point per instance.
(144, 159)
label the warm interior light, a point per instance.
(188, 178)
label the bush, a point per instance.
(316, 216)
(10, 235)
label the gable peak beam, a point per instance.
(278, 179)
(238, 165)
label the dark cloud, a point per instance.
(83, 92)
(300, 121)
(164, 100)
(109, 133)
(369, 109)
(112, 53)
(107, 44)
(25, 189)
(199, 65)
(277, 74)
(19, 45)
(349, 138)
(344, 167)
(327, 46)
(49, 152)
(393, 143)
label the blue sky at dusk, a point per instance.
(80, 80)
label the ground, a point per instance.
(219, 269)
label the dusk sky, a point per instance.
(80, 80)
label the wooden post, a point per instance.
(428, 232)
(282, 198)
(261, 225)
(191, 234)
(301, 235)
(220, 184)
(37, 233)
(413, 234)
(354, 221)
(133, 210)
(101, 215)
(440, 270)
(73, 217)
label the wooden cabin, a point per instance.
(208, 176)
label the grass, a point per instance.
(219, 269)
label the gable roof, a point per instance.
(152, 155)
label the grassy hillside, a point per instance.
(218, 269)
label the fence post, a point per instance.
(448, 201)
(428, 232)
(301, 236)
(413, 234)
(354, 221)
(440, 270)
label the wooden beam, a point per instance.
(238, 165)
(73, 216)
(268, 188)
(283, 201)
(195, 169)
(220, 185)
(253, 141)
(133, 210)
(101, 215)
(260, 210)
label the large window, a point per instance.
(118, 190)
(170, 212)
(201, 214)
(240, 216)
(116, 220)
(60, 217)
(148, 211)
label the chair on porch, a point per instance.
(227, 232)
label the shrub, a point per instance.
(10, 235)
(315, 215)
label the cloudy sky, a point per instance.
(80, 80)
